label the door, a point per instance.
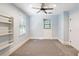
(74, 30)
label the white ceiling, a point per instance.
(27, 7)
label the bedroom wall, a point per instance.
(36, 27)
(63, 27)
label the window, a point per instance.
(47, 24)
(22, 26)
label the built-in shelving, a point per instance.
(5, 22)
(6, 32)
(3, 34)
(5, 44)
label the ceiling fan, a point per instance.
(43, 8)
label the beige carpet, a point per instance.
(35, 47)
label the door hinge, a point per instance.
(70, 30)
(70, 19)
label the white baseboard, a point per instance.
(66, 43)
(43, 38)
(15, 48)
(63, 42)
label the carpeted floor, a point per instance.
(35, 47)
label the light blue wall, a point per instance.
(36, 24)
(54, 20)
(63, 27)
(66, 26)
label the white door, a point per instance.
(74, 32)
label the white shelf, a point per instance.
(5, 45)
(6, 29)
(6, 22)
(3, 34)
(3, 31)
(11, 43)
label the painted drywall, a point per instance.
(66, 26)
(74, 26)
(36, 27)
(63, 27)
(54, 20)
(10, 10)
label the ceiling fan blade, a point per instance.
(45, 11)
(48, 8)
(50, 13)
(38, 11)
